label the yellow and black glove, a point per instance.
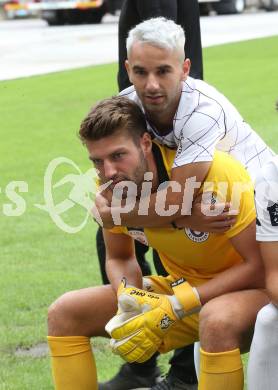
(143, 321)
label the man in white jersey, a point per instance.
(263, 358)
(183, 113)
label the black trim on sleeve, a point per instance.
(273, 214)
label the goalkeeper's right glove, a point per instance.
(142, 322)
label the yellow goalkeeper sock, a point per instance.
(221, 371)
(73, 364)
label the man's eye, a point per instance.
(118, 156)
(163, 71)
(140, 72)
(97, 162)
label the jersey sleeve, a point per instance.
(197, 135)
(118, 230)
(266, 197)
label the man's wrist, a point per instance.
(177, 307)
(187, 295)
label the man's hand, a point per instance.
(101, 211)
(217, 218)
(143, 320)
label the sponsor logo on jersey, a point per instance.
(196, 236)
(273, 214)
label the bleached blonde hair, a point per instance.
(159, 32)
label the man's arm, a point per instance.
(121, 259)
(249, 274)
(156, 207)
(176, 200)
(269, 251)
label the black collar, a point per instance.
(162, 174)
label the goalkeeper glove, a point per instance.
(142, 322)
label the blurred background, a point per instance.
(59, 12)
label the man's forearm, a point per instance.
(116, 269)
(158, 210)
(218, 220)
(239, 277)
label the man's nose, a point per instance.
(152, 83)
(109, 169)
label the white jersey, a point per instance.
(266, 196)
(205, 120)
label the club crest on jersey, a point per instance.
(196, 236)
(273, 214)
(139, 235)
(165, 322)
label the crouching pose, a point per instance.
(214, 289)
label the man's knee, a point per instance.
(217, 332)
(82, 312)
(61, 316)
(227, 322)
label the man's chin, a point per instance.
(155, 106)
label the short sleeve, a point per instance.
(266, 197)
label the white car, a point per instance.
(235, 6)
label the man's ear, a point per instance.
(146, 143)
(186, 68)
(127, 66)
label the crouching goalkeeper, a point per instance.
(214, 288)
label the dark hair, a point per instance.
(111, 115)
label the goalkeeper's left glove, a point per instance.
(142, 322)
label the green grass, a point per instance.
(39, 118)
(249, 80)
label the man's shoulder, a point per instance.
(204, 90)
(226, 167)
(269, 171)
(200, 101)
(129, 92)
(191, 85)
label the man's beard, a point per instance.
(132, 191)
(122, 189)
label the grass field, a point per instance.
(39, 118)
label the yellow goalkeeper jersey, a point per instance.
(199, 256)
